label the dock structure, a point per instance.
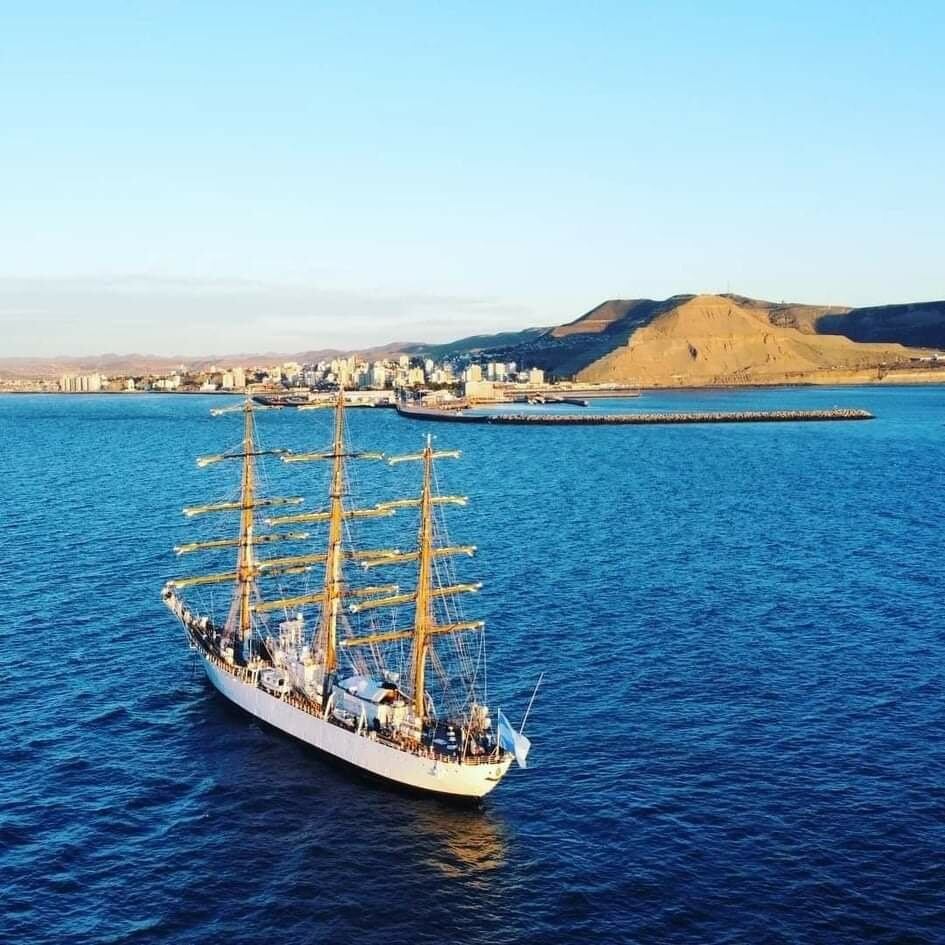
(634, 419)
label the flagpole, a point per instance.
(521, 728)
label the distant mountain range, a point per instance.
(682, 340)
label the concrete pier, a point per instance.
(634, 419)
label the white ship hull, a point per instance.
(460, 781)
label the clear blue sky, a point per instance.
(212, 177)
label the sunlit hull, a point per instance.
(460, 781)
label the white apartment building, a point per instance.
(81, 383)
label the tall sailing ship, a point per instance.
(332, 666)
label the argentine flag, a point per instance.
(513, 741)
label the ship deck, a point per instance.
(249, 676)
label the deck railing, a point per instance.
(249, 675)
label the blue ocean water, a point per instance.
(739, 736)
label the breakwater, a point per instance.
(634, 419)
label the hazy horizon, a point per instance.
(214, 180)
(374, 329)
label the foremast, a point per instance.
(249, 568)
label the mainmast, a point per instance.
(333, 591)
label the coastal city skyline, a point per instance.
(471, 379)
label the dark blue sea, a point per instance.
(739, 737)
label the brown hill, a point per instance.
(715, 340)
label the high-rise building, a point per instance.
(378, 375)
(81, 383)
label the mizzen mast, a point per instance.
(425, 625)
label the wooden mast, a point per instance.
(423, 612)
(425, 626)
(245, 566)
(333, 589)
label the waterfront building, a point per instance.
(81, 383)
(378, 375)
(479, 390)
